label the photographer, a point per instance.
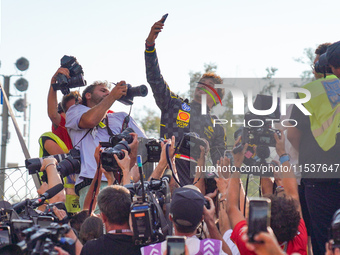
(286, 218)
(178, 115)
(187, 211)
(114, 203)
(315, 138)
(124, 164)
(91, 123)
(57, 113)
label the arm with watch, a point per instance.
(288, 178)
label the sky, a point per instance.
(242, 38)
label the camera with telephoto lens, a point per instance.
(123, 135)
(138, 91)
(67, 164)
(190, 144)
(76, 75)
(107, 159)
(334, 232)
(154, 149)
(149, 223)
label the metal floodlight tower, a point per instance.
(21, 64)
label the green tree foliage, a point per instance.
(307, 59)
(150, 122)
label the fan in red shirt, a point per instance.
(286, 217)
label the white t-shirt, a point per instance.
(88, 145)
(231, 244)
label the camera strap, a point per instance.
(170, 164)
(166, 229)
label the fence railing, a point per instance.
(19, 185)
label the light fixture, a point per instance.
(19, 105)
(22, 64)
(21, 84)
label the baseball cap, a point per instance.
(333, 54)
(186, 207)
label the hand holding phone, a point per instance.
(258, 217)
(175, 245)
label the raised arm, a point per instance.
(288, 178)
(92, 117)
(233, 195)
(52, 101)
(160, 88)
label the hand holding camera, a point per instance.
(119, 90)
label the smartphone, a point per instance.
(5, 236)
(258, 217)
(164, 18)
(175, 245)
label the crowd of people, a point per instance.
(212, 218)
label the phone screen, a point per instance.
(4, 236)
(175, 245)
(258, 218)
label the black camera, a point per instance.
(322, 66)
(258, 132)
(190, 144)
(43, 240)
(109, 163)
(68, 164)
(154, 149)
(139, 91)
(76, 75)
(334, 234)
(148, 220)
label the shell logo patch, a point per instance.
(183, 119)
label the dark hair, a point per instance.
(78, 219)
(186, 229)
(73, 95)
(217, 80)
(114, 202)
(92, 228)
(90, 89)
(322, 48)
(285, 218)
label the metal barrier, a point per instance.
(19, 185)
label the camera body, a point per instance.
(190, 144)
(322, 68)
(154, 149)
(260, 136)
(138, 91)
(76, 75)
(109, 163)
(68, 164)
